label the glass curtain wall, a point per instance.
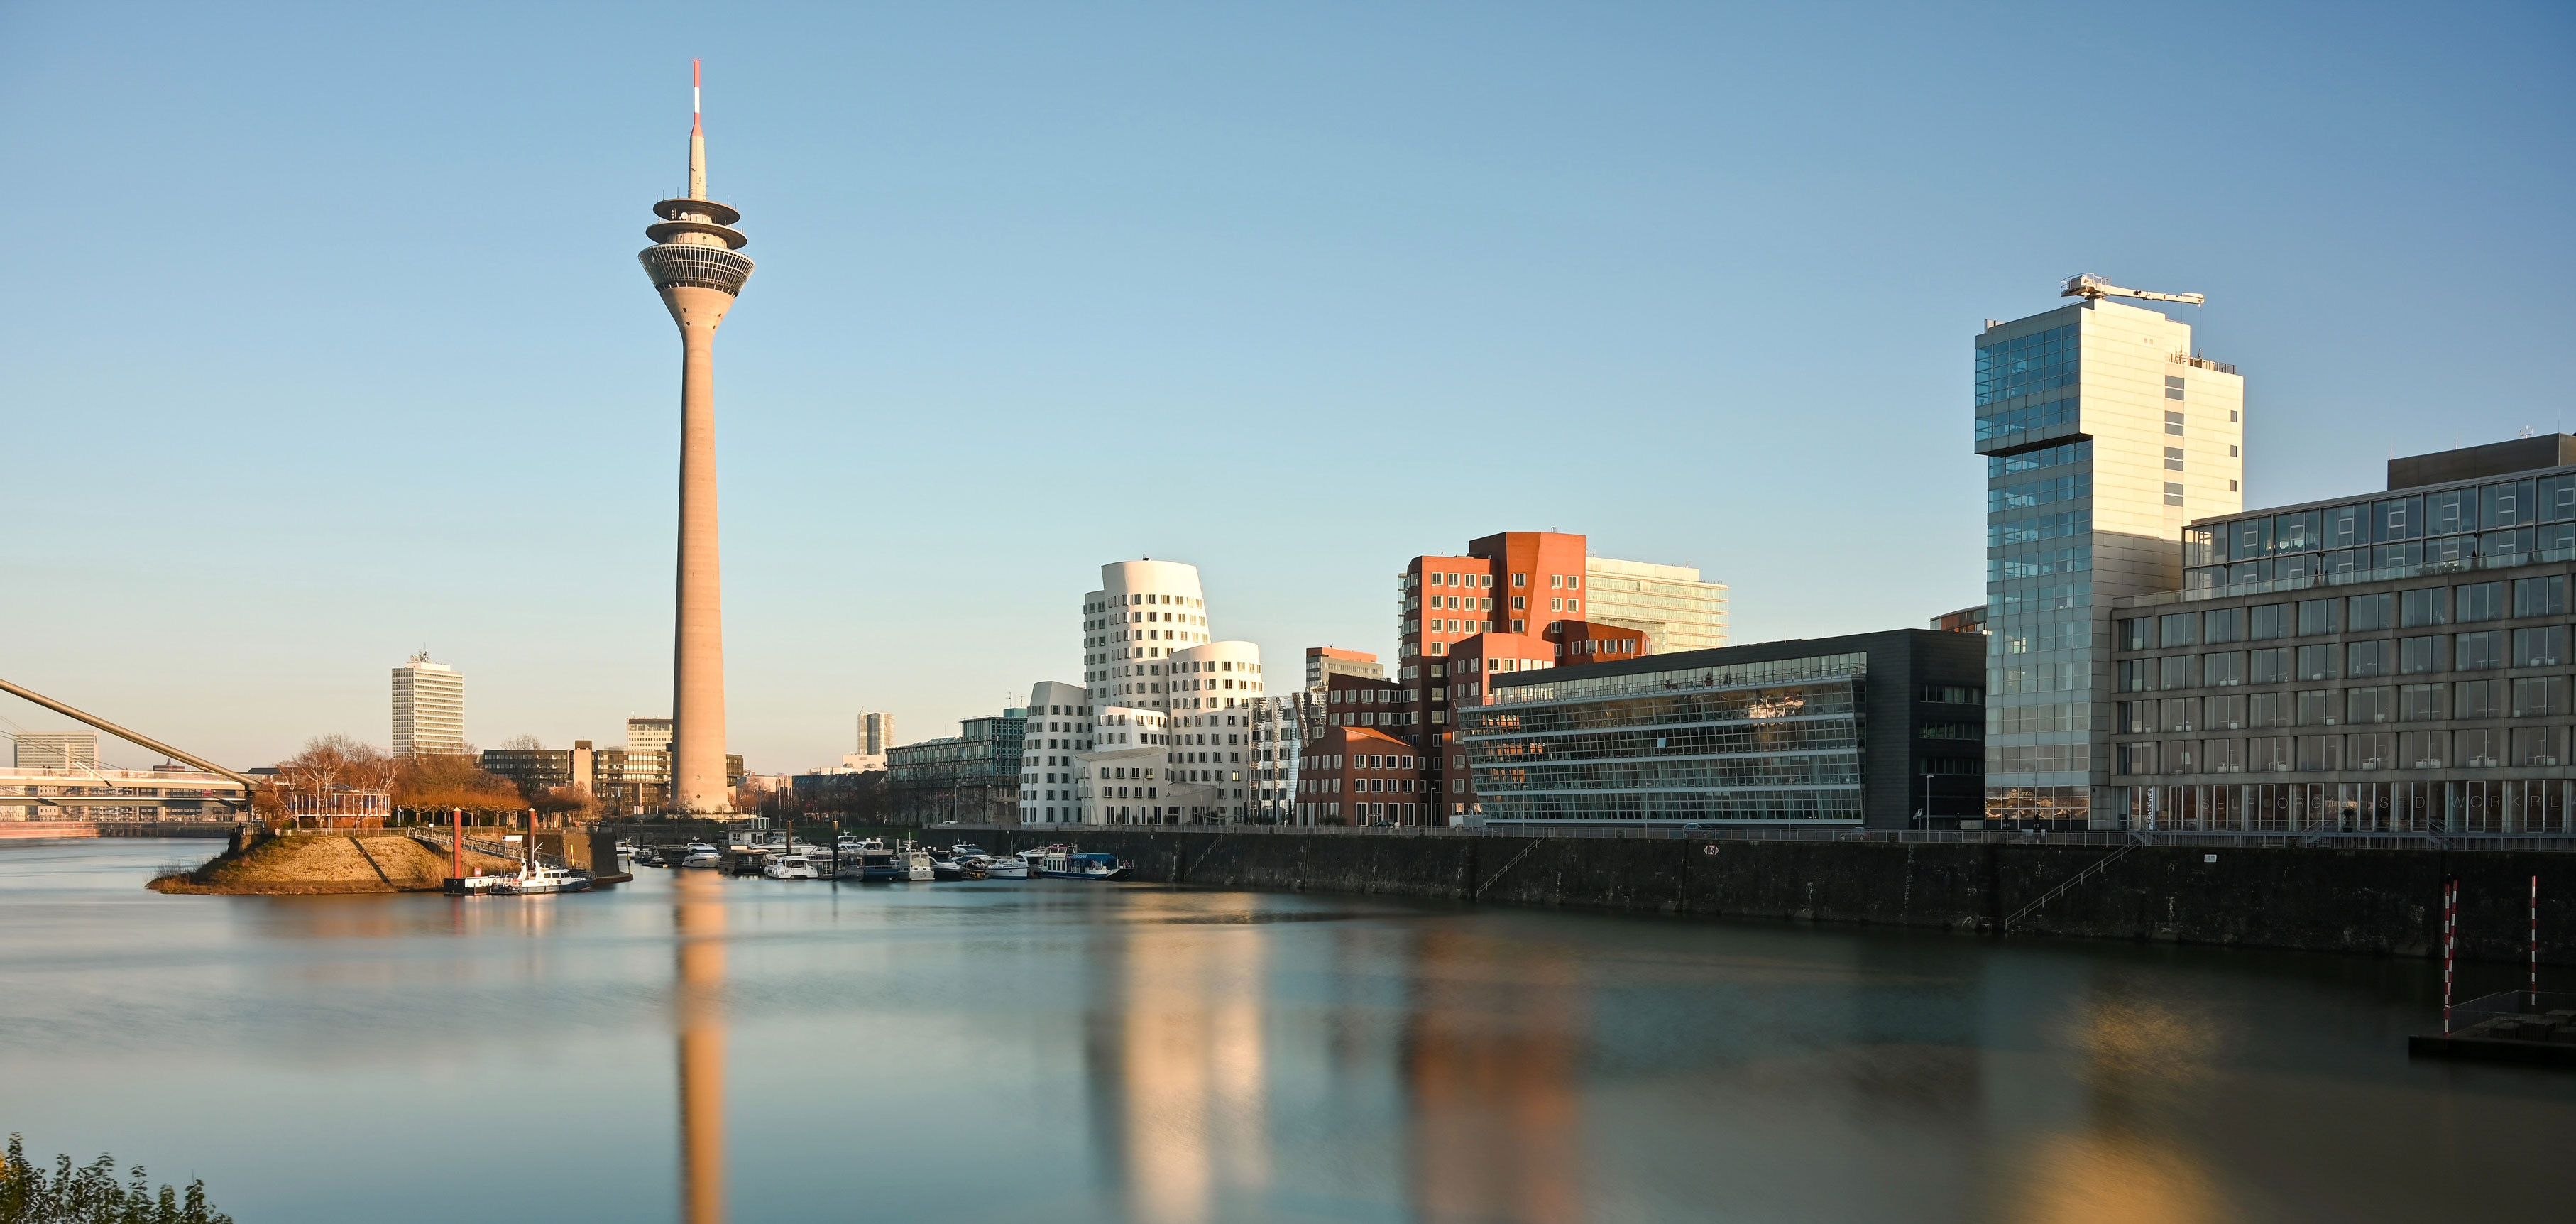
(2039, 561)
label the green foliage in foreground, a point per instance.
(92, 1195)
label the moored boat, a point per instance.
(533, 880)
(790, 867)
(1058, 864)
(700, 854)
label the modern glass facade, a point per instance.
(2474, 525)
(2439, 701)
(1769, 741)
(2103, 435)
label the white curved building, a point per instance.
(1170, 705)
(1059, 727)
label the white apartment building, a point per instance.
(57, 749)
(429, 708)
(1059, 727)
(1170, 708)
(2104, 434)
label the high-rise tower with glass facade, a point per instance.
(2104, 433)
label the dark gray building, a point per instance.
(972, 777)
(1876, 730)
(2387, 662)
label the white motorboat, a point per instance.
(540, 879)
(916, 866)
(1074, 865)
(790, 867)
(700, 854)
(1004, 867)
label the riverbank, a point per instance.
(2383, 902)
(321, 865)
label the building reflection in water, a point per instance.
(2139, 1060)
(699, 913)
(1177, 1067)
(1493, 1053)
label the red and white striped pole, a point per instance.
(2535, 943)
(2450, 944)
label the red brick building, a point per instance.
(1361, 775)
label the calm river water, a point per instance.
(1066, 1052)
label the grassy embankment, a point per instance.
(307, 864)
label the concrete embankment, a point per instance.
(313, 864)
(2384, 902)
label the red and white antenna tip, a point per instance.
(695, 96)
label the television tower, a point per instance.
(696, 270)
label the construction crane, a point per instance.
(2091, 286)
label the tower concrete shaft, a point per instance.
(694, 266)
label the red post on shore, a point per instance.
(2535, 942)
(2450, 944)
(456, 840)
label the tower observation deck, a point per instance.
(695, 266)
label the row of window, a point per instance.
(2476, 748)
(2541, 646)
(2530, 697)
(2494, 550)
(2027, 365)
(2512, 503)
(2441, 605)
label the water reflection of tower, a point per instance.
(696, 267)
(700, 917)
(1177, 1069)
(1493, 1060)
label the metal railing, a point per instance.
(2428, 839)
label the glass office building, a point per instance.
(2104, 434)
(2390, 663)
(1877, 729)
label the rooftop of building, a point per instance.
(1722, 656)
(2545, 454)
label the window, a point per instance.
(2223, 713)
(2137, 675)
(2542, 647)
(2422, 749)
(2173, 458)
(2181, 756)
(2179, 629)
(2269, 666)
(2321, 708)
(2178, 714)
(2539, 746)
(2173, 493)
(2268, 754)
(2365, 612)
(2450, 512)
(2373, 704)
(2372, 658)
(2320, 752)
(2224, 625)
(2135, 634)
(2540, 596)
(2423, 702)
(1520, 603)
(2417, 655)
(2180, 671)
(2428, 606)
(2173, 423)
(2479, 601)
(1574, 582)
(2478, 699)
(1556, 580)
(2479, 651)
(2540, 697)
(2320, 616)
(1520, 580)
(2223, 669)
(2321, 662)
(2479, 747)
(2271, 621)
(2222, 756)
(2136, 759)
(2369, 750)
(2270, 710)
(2134, 717)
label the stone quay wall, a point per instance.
(2383, 902)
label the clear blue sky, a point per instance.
(328, 342)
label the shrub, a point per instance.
(91, 1194)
